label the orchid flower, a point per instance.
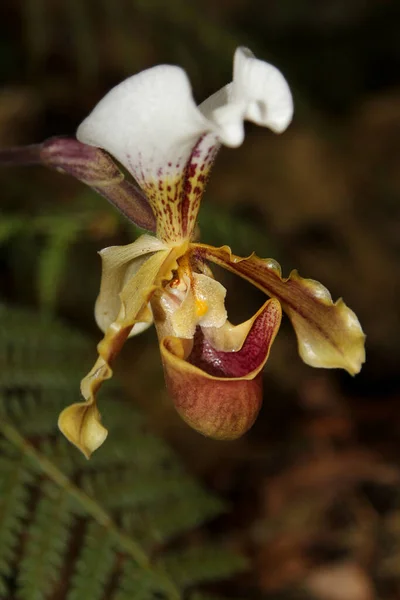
(213, 369)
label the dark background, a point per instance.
(315, 486)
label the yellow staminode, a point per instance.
(201, 307)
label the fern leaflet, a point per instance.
(89, 529)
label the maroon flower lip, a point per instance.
(243, 362)
(220, 393)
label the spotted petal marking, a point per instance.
(151, 124)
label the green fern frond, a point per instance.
(116, 490)
(145, 450)
(94, 565)
(202, 564)
(89, 529)
(46, 543)
(137, 585)
(162, 521)
(14, 495)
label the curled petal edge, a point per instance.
(81, 422)
(223, 401)
(119, 264)
(329, 334)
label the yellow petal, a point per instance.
(202, 303)
(339, 342)
(119, 264)
(228, 338)
(329, 334)
(81, 425)
(210, 301)
(80, 422)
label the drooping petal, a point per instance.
(329, 334)
(152, 125)
(81, 425)
(119, 264)
(81, 422)
(220, 393)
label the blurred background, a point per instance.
(314, 487)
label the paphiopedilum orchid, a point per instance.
(213, 369)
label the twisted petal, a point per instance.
(152, 125)
(329, 334)
(81, 423)
(219, 393)
(119, 264)
(258, 93)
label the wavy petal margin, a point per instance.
(329, 334)
(81, 422)
(220, 393)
